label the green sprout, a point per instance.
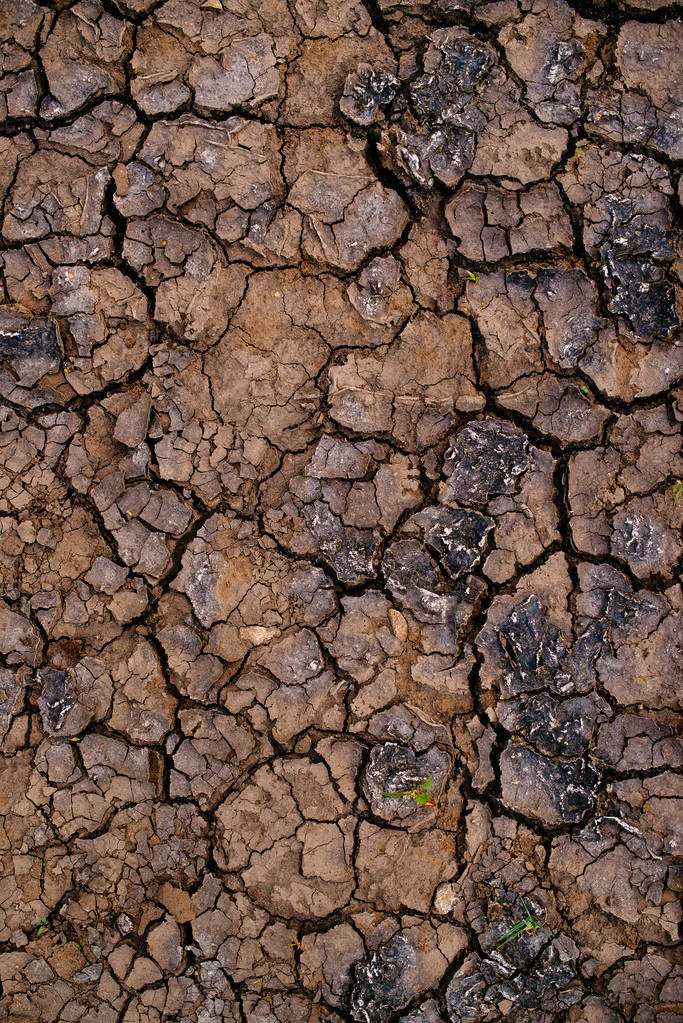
(43, 926)
(469, 276)
(529, 924)
(418, 793)
(579, 154)
(678, 490)
(584, 389)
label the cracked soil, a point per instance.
(341, 392)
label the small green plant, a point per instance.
(678, 490)
(418, 792)
(469, 276)
(578, 155)
(584, 389)
(42, 926)
(529, 924)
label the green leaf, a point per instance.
(418, 792)
(678, 490)
(512, 933)
(584, 389)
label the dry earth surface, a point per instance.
(341, 374)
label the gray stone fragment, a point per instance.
(30, 344)
(413, 579)
(69, 701)
(375, 219)
(154, 556)
(553, 792)
(567, 412)
(485, 459)
(310, 587)
(457, 538)
(107, 490)
(446, 152)
(455, 65)
(379, 295)
(643, 294)
(348, 551)
(646, 544)
(57, 697)
(482, 986)
(399, 724)
(555, 728)
(365, 91)
(21, 94)
(386, 982)
(394, 768)
(245, 75)
(10, 699)
(537, 654)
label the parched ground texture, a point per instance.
(341, 374)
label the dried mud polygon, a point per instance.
(341, 392)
